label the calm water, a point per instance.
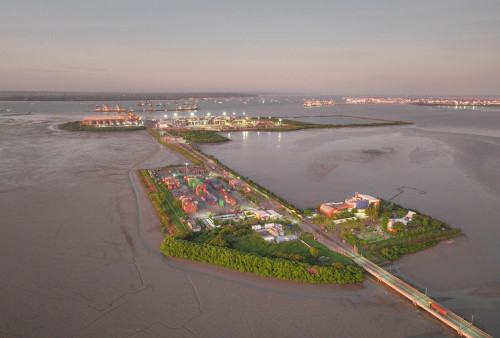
(73, 252)
(447, 163)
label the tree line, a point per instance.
(264, 266)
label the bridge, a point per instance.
(461, 326)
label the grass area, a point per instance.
(375, 242)
(200, 136)
(331, 256)
(241, 248)
(253, 199)
(253, 243)
(243, 239)
(77, 126)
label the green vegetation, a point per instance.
(253, 199)
(298, 125)
(200, 136)
(420, 233)
(326, 256)
(169, 209)
(77, 126)
(242, 238)
(242, 249)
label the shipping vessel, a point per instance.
(185, 107)
(150, 107)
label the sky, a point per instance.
(404, 47)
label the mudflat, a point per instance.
(79, 256)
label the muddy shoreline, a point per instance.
(79, 258)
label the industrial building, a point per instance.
(264, 215)
(359, 201)
(273, 232)
(215, 123)
(108, 120)
(119, 119)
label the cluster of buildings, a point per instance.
(318, 103)
(214, 200)
(269, 215)
(375, 100)
(264, 215)
(120, 119)
(359, 201)
(215, 123)
(273, 232)
(431, 101)
(456, 101)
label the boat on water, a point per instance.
(105, 109)
(150, 107)
(185, 107)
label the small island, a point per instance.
(212, 214)
(378, 229)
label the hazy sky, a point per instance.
(333, 47)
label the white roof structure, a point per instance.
(273, 214)
(368, 197)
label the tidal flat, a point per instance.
(80, 255)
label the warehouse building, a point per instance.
(359, 201)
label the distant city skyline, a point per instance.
(315, 47)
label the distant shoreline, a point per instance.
(89, 96)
